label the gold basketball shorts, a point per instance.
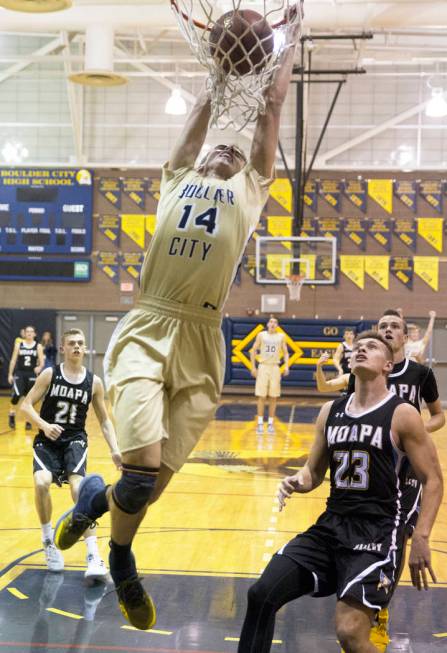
(164, 371)
(268, 381)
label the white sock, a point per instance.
(270, 420)
(260, 419)
(47, 532)
(92, 545)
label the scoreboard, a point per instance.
(46, 211)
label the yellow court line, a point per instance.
(17, 593)
(70, 615)
(439, 634)
(236, 639)
(11, 575)
(150, 630)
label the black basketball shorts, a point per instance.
(22, 384)
(62, 459)
(351, 557)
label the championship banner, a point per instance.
(380, 230)
(330, 228)
(307, 265)
(109, 225)
(279, 225)
(431, 191)
(279, 265)
(330, 191)
(151, 223)
(311, 195)
(405, 230)
(110, 188)
(249, 264)
(308, 228)
(108, 262)
(134, 227)
(430, 229)
(353, 267)
(281, 191)
(378, 268)
(355, 230)
(406, 192)
(135, 189)
(323, 265)
(427, 268)
(381, 191)
(401, 267)
(153, 187)
(355, 191)
(132, 262)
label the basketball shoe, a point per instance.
(135, 603)
(55, 561)
(74, 522)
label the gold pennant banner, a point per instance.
(281, 191)
(427, 268)
(279, 225)
(278, 265)
(134, 227)
(430, 229)
(151, 223)
(378, 268)
(353, 267)
(381, 191)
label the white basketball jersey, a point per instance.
(271, 348)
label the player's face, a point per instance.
(30, 334)
(272, 325)
(349, 337)
(392, 329)
(224, 161)
(369, 357)
(73, 348)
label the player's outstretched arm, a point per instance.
(36, 394)
(107, 428)
(193, 135)
(429, 331)
(407, 425)
(265, 140)
(329, 385)
(313, 472)
(337, 359)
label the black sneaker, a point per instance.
(135, 603)
(74, 522)
(28, 426)
(11, 421)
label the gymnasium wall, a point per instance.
(123, 219)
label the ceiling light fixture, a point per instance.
(176, 105)
(436, 107)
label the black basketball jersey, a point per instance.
(27, 358)
(67, 403)
(363, 459)
(346, 357)
(410, 381)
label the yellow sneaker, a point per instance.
(379, 632)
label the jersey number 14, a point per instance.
(207, 220)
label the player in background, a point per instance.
(354, 548)
(270, 344)
(343, 352)
(416, 345)
(26, 363)
(165, 362)
(60, 448)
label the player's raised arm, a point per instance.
(329, 385)
(193, 135)
(265, 140)
(413, 439)
(313, 472)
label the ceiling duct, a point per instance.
(98, 69)
(36, 6)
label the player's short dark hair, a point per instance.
(393, 313)
(72, 332)
(376, 336)
(349, 328)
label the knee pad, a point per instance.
(133, 491)
(15, 399)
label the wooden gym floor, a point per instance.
(199, 549)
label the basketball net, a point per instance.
(294, 284)
(237, 100)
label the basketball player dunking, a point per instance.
(165, 362)
(355, 547)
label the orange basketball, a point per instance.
(240, 41)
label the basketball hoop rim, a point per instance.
(200, 25)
